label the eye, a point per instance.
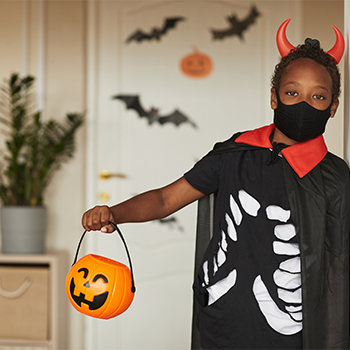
(85, 270)
(97, 277)
(291, 93)
(318, 97)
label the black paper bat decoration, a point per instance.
(155, 33)
(237, 27)
(172, 222)
(133, 102)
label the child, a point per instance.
(275, 273)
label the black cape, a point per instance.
(320, 206)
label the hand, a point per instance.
(96, 219)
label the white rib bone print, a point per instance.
(287, 277)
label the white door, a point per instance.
(234, 97)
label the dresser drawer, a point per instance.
(24, 301)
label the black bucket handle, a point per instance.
(133, 288)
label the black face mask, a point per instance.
(300, 122)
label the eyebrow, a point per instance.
(292, 83)
(296, 84)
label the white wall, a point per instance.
(318, 17)
(65, 91)
(47, 39)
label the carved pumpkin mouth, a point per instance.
(194, 71)
(95, 304)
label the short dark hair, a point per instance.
(312, 50)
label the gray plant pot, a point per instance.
(23, 229)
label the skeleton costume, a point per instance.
(275, 274)
(272, 263)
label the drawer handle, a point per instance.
(16, 293)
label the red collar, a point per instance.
(302, 157)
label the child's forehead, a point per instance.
(303, 67)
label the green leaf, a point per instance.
(35, 149)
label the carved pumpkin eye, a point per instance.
(85, 270)
(100, 276)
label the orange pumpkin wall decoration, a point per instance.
(100, 287)
(196, 65)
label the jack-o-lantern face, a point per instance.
(98, 299)
(196, 65)
(99, 287)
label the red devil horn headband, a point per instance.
(284, 46)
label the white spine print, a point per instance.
(285, 232)
(291, 265)
(293, 308)
(275, 212)
(286, 279)
(282, 248)
(290, 297)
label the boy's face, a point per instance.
(306, 80)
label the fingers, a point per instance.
(107, 229)
(97, 219)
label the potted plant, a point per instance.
(33, 150)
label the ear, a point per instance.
(273, 101)
(334, 107)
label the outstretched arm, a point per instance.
(151, 205)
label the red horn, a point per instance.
(336, 52)
(284, 46)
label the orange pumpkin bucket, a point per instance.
(100, 287)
